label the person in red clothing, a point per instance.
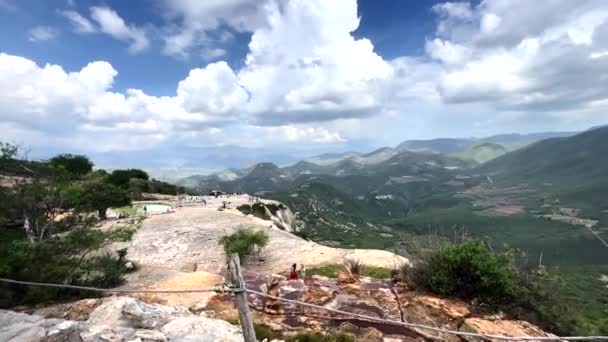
(293, 274)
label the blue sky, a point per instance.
(293, 77)
(396, 27)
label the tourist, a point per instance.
(145, 211)
(293, 275)
(302, 271)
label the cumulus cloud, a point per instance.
(293, 133)
(213, 53)
(80, 23)
(54, 101)
(213, 89)
(494, 63)
(543, 56)
(196, 19)
(306, 65)
(42, 33)
(111, 23)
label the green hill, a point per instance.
(580, 157)
(574, 168)
(483, 152)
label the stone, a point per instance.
(150, 335)
(119, 319)
(346, 277)
(64, 331)
(151, 316)
(453, 308)
(511, 328)
(202, 329)
(20, 327)
(108, 315)
(80, 310)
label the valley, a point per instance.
(545, 200)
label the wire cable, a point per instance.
(224, 288)
(97, 289)
(428, 327)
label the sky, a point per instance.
(171, 82)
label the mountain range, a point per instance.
(515, 196)
(461, 152)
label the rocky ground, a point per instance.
(187, 241)
(371, 297)
(114, 319)
(180, 250)
(142, 319)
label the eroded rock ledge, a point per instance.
(116, 319)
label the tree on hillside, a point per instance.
(8, 151)
(121, 178)
(97, 196)
(38, 204)
(245, 242)
(44, 239)
(76, 165)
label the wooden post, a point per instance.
(236, 279)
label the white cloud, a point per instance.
(307, 80)
(457, 10)
(292, 133)
(523, 55)
(42, 33)
(306, 66)
(80, 23)
(213, 54)
(197, 18)
(213, 90)
(447, 52)
(111, 23)
(51, 100)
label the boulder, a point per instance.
(501, 327)
(119, 319)
(20, 327)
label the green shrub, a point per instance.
(245, 242)
(69, 259)
(76, 165)
(244, 208)
(331, 271)
(263, 331)
(377, 272)
(355, 266)
(469, 270)
(307, 336)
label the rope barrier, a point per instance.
(341, 312)
(97, 289)
(428, 327)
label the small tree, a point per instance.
(75, 165)
(121, 178)
(8, 152)
(97, 196)
(244, 242)
(37, 204)
(57, 244)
